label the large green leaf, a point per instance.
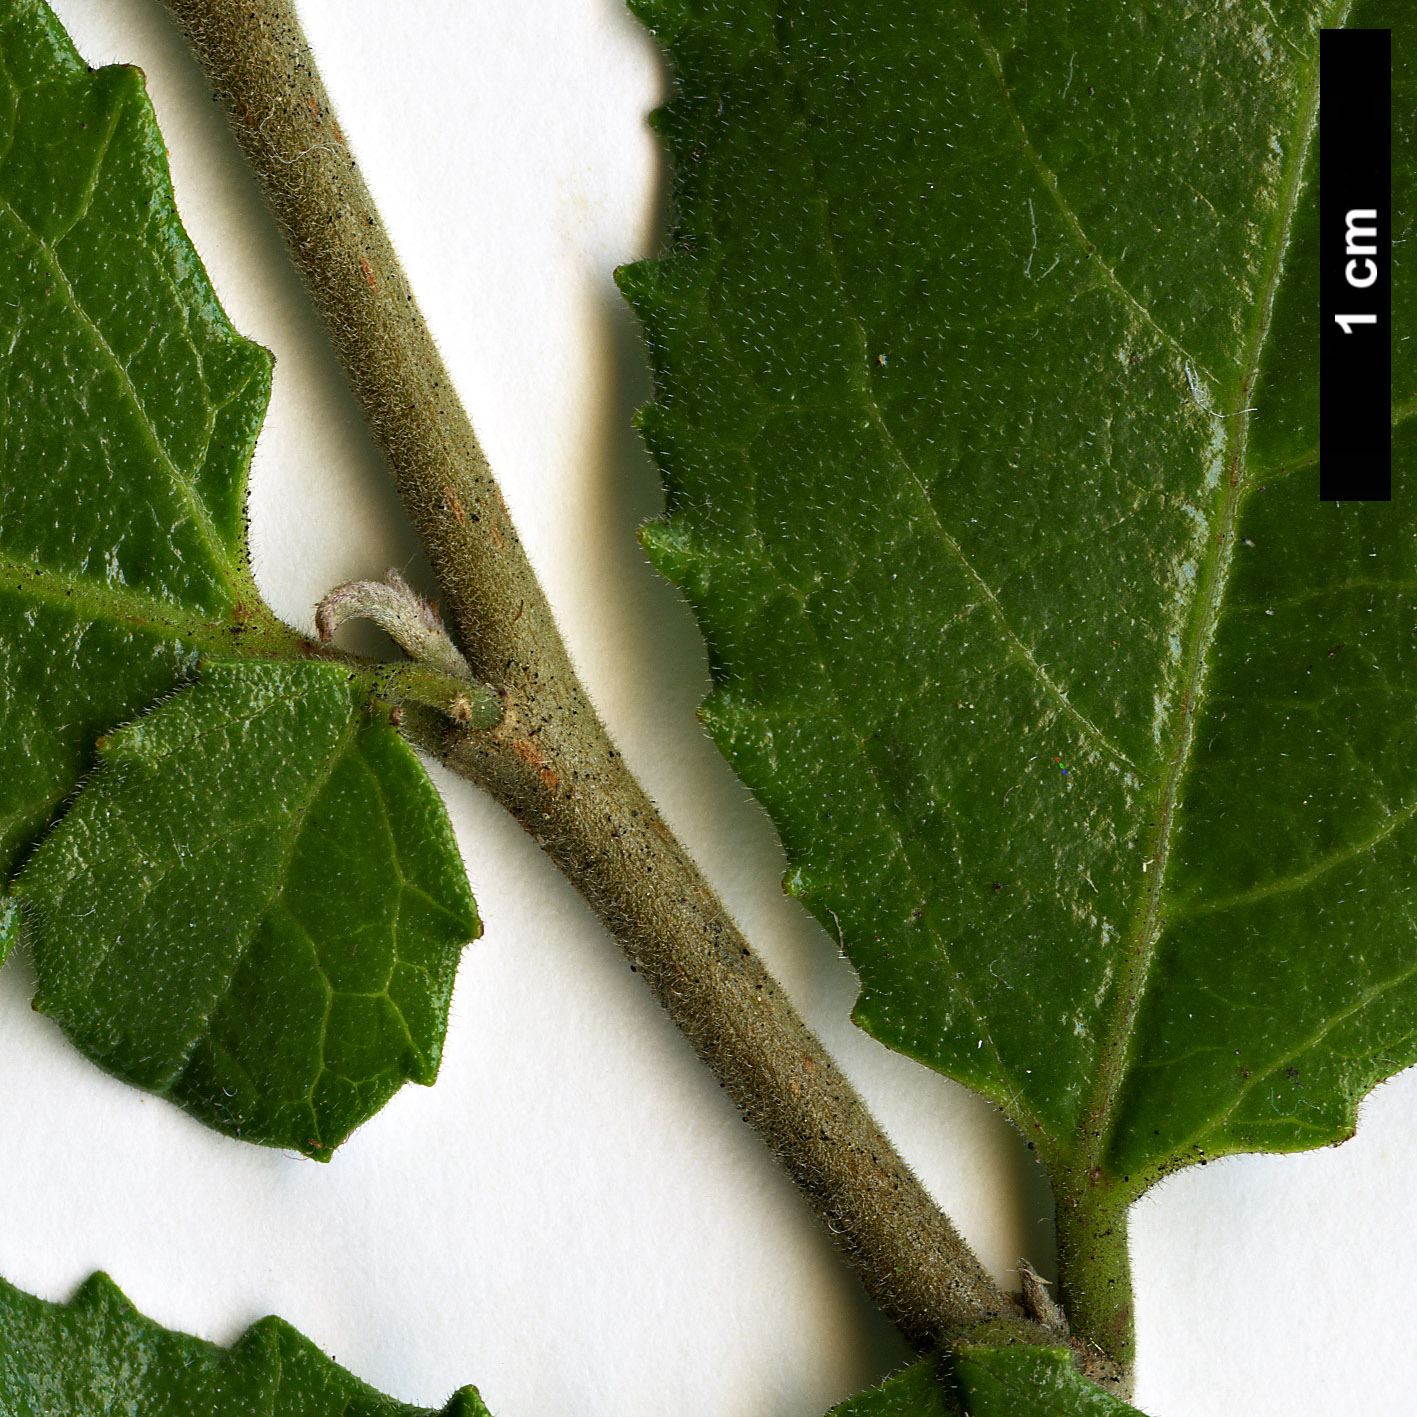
(255, 905)
(97, 1355)
(986, 400)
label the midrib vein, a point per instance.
(180, 479)
(249, 629)
(1123, 1007)
(288, 815)
(294, 818)
(106, 601)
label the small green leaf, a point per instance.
(97, 1356)
(922, 1390)
(986, 402)
(1018, 1380)
(255, 906)
(129, 408)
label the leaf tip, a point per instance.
(314, 1150)
(421, 1065)
(650, 13)
(667, 547)
(637, 281)
(466, 1402)
(99, 1292)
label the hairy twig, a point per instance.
(550, 761)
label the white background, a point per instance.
(574, 1218)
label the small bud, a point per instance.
(404, 615)
(1039, 1303)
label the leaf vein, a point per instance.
(91, 186)
(1123, 1009)
(1262, 1075)
(1290, 884)
(1014, 643)
(201, 518)
(1049, 180)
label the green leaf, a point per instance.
(129, 409)
(1010, 1380)
(261, 905)
(255, 904)
(922, 1390)
(986, 401)
(97, 1355)
(1001, 1378)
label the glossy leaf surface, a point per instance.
(255, 904)
(986, 402)
(97, 1355)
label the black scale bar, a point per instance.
(1355, 260)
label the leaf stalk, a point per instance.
(1095, 1268)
